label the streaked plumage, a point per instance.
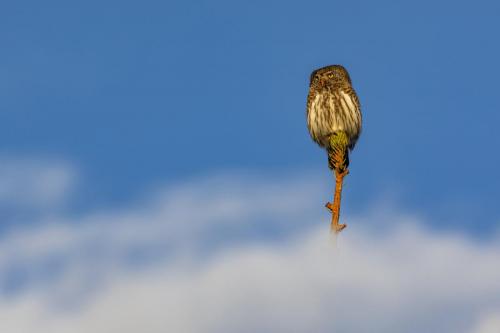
(333, 106)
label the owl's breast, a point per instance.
(331, 111)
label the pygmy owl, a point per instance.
(333, 114)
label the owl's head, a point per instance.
(333, 75)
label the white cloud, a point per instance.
(408, 280)
(194, 259)
(489, 323)
(29, 183)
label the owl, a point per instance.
(334, 123)
(332, 107)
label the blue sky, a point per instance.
(109, 108)
(138, 95)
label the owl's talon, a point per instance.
(329, 206)
(343, 173)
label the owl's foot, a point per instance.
(329, 206)
(344, 173)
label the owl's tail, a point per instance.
(338, 152)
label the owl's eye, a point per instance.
(330, 75)
(316, 79)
